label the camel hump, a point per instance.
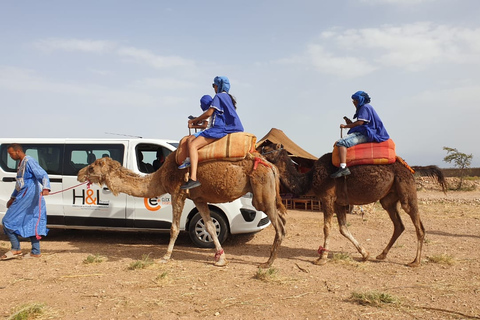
(233, 147)
(367, 153)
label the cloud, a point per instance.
(31, 84)
(345, 67)
(163, 83)
(412, 47)
(101, 46)
(156, 61)
(91, 46)
(396, 2)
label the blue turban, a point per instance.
(222, 83)
(205, 102)
(362, 98)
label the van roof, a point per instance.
(82, 140)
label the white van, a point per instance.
(79, 207)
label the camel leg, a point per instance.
(178, 202)
(342, 224)
(389, 203)
(327, 208)
(265, 192)
(411, 207)
(220, 259)
(279, 235)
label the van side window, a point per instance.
(78, 156)
(49, 156)
(150, 157)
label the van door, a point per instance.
(94, 205)
(150, 213)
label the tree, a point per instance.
(460, 160)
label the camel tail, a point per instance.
(434, 172)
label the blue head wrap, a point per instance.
(362, 98)
(223, 84)
(205, 102)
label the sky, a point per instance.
(118, 68)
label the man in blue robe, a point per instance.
(367, 128)
(26, 215)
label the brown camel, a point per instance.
(222, 181)
(391, 184)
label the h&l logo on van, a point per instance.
(89, 198)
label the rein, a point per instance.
(88, 183)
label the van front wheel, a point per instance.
(198, 232)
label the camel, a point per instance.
(222, 181)
(389, 183)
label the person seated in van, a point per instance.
(157, 163)
(142, 166)
(224, 120)
(26, 215)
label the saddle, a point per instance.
(232, 147)
(367, 153)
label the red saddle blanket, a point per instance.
(232, 147)
(367, 153)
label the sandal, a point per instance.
(11, 255)
(31, 255)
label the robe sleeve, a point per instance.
(40, 174)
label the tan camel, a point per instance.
(222, 181)
(391, 184)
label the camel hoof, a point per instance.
(414, 264)
(320, 261)
(381, 256)
(161, 261)
(265, 265)
(365, 256)
(221, 263)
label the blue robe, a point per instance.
(24, 216)
(373, 127)
(224, 119)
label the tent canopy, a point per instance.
(297, 154)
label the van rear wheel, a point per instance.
(198, 232)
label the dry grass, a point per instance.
(28, 312)
(93, 259)
(269, 274)
(141, 264)
(442, 259)
(373, 298)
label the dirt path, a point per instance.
(191, 287)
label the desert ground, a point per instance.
(116, 275)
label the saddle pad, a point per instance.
(233, 147)
(367, 153)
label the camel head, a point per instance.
(273, 151)
(99, 171)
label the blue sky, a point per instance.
(92, 68)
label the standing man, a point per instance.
(26, 215)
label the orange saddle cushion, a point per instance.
(367, 153)
(233, 147)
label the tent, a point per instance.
(304, 159)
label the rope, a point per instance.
(218, 254)
(259, 160)
(321, 250)
(40, 205)
(39, 216)
(78, 185)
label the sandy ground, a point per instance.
(190, 286)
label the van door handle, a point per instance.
(105, 189)
(9, 179)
